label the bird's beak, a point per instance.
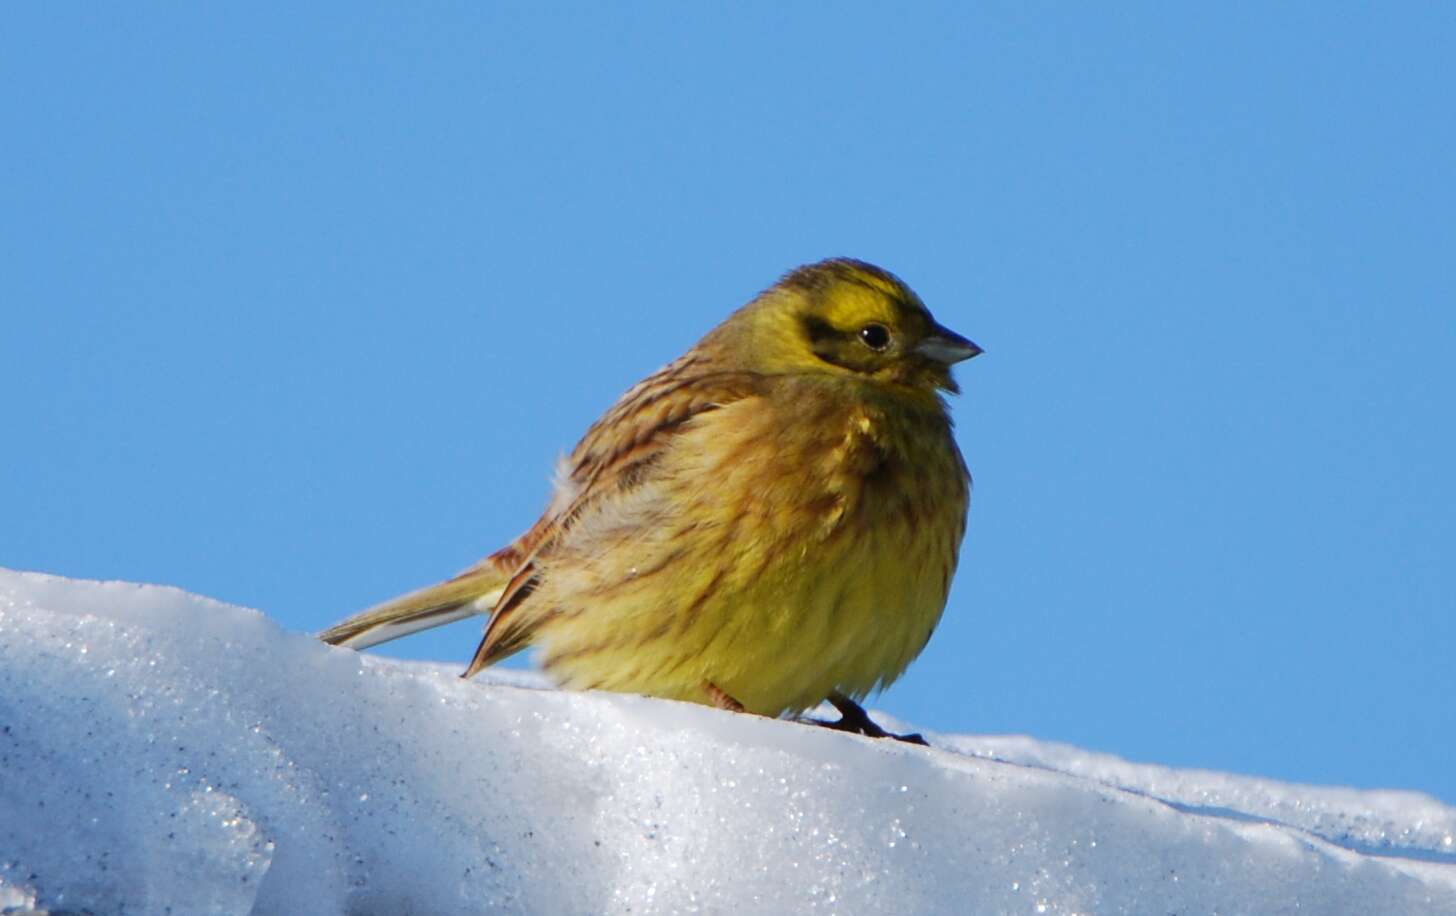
(946, 346)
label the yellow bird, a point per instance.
(770, 521)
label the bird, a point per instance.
(769, 522)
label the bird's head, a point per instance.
(845, 317)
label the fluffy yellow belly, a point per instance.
(814, 560)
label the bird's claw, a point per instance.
(853, 719)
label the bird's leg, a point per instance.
(854, 719)
(721, 699)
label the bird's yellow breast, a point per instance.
(788, 546)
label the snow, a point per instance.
(162, 752)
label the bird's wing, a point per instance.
(617, 454)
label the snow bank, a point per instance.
(162, 752)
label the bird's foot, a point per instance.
(721, 699)
(853, 719)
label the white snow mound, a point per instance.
(165, 753)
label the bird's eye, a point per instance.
(875, 336)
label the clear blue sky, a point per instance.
(301, 305)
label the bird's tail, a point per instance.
(472, 592)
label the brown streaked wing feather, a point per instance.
(505, 635)
(615, 455)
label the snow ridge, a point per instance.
(161, 752)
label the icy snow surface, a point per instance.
(164, 753)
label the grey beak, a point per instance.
(946, 346)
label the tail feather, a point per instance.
(469, 594)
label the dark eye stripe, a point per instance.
(820, 330)
(847, 349)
